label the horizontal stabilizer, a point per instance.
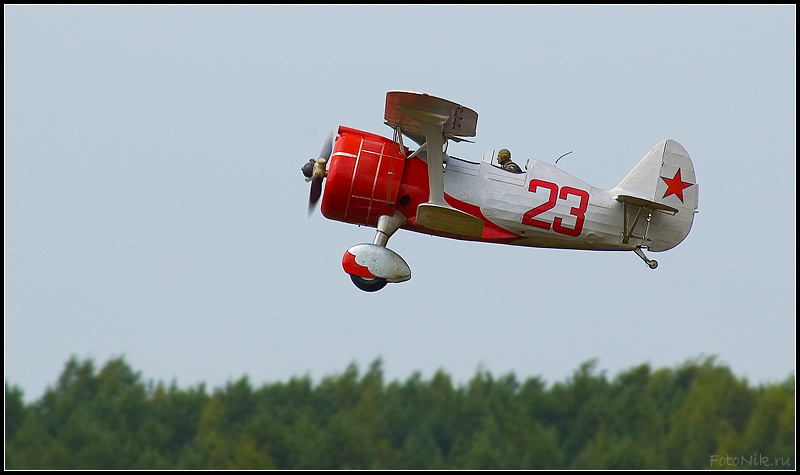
(646, 203)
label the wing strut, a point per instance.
(644, 207)
(435, 117)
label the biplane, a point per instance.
(374, 181)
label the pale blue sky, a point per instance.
(154, 206)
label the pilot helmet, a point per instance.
(503, 155)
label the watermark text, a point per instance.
(753, 460)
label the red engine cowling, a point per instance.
(363, 179)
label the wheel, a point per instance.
(368, 285)
(652, 264)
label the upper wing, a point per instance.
(403, 110)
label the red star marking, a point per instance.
(675, 185)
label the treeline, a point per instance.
(695, 416)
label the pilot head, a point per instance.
(503, 156)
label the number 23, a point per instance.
(578, 212)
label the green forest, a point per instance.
(695, 416)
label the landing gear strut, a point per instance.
(650, 262)
(387, 225)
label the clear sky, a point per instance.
(154, 207)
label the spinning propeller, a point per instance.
(315, 171)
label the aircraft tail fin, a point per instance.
(664, 183)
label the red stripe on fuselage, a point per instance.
(491, 231)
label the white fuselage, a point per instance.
(545, 205)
